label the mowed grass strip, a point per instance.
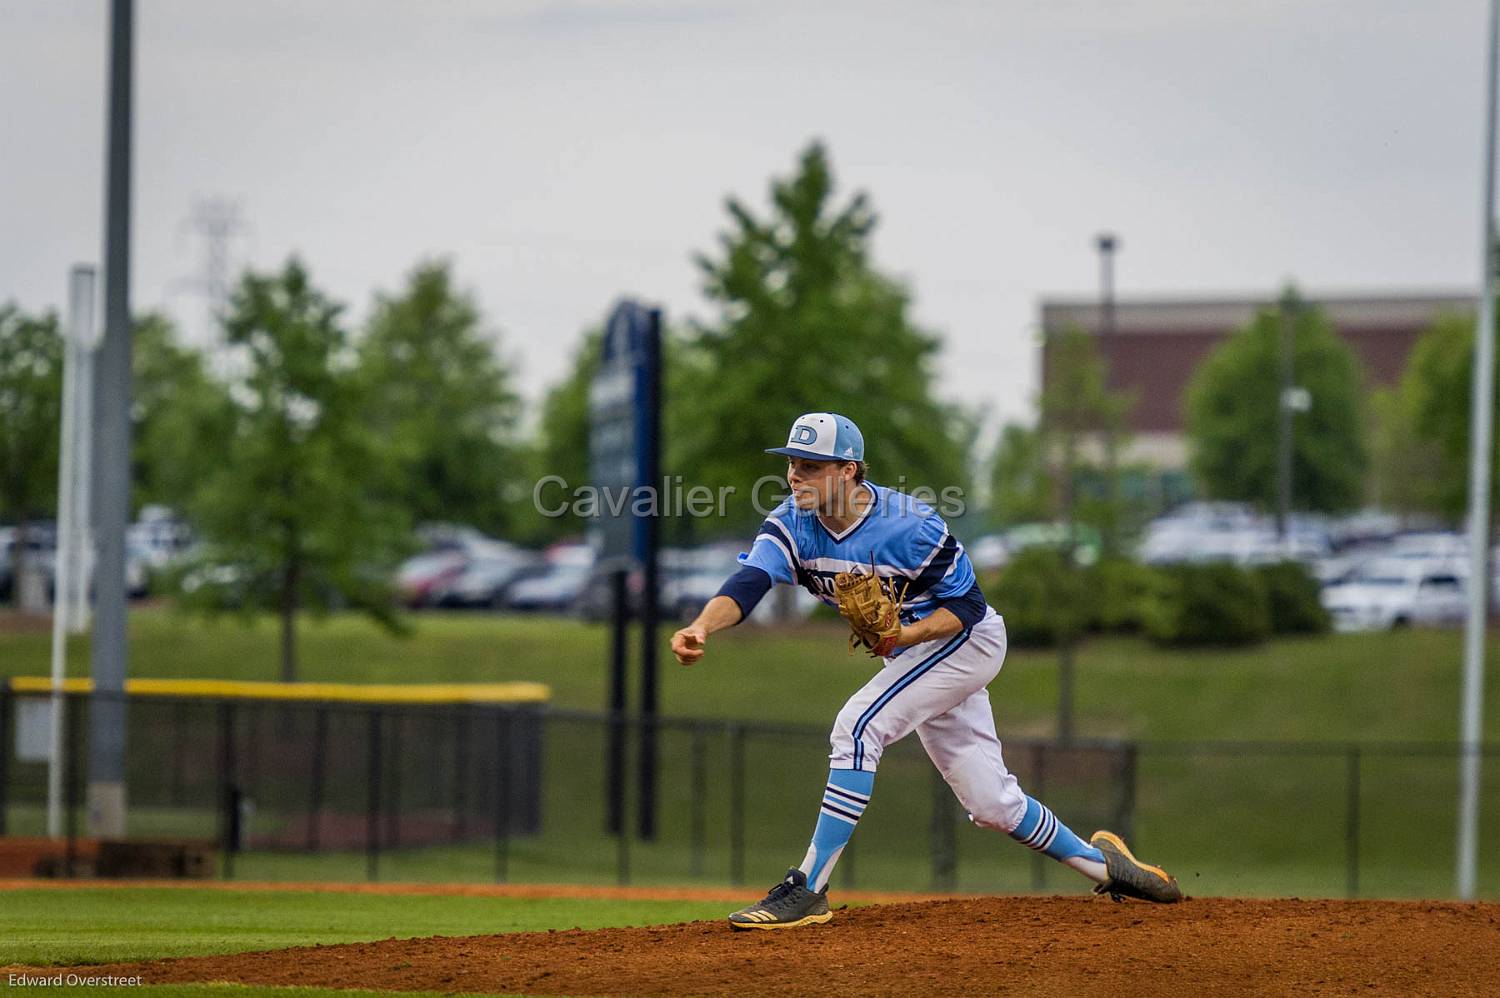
(1402, 685)
(103, 925)
(226, 990)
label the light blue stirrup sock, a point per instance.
(1040, 830)
(844, 800)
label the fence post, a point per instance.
(179, 749)
(620, 801)
(944, 842)
(700, 790)
(315, 791)
(7, 704)
(736, 735)
(225, 791)
(70, 782)
(502, 795)
(393, 795)
(372, 803)
(250, 780)
(461, 774)
(1352, 839)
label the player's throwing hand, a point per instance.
(688, 643)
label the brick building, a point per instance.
(1157, 343)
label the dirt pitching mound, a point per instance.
(1059, 946)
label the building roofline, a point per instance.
(1200, 313)
(1191, 298)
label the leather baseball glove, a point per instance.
(872, 606)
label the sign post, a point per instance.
(624, 462)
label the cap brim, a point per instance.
(810, 455)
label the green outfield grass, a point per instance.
(241, 990)
(64, 927)
(1397, 686)
(1230, 824)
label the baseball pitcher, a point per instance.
(909, 593)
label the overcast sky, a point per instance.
(562, 154)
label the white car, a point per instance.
(1397, 592)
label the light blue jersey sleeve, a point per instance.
(774, 551)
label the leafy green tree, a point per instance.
(563, 430)
(436, 391)
(1020, 490)
(31, 363)
(1437, 392)
(807, 323)
(291, 508)
(1232, 416)
(1079, 417)
(181, 414)
(1408, 473)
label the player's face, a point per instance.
(817, 484)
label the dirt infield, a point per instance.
(1057, 946)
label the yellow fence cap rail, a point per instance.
(414, 693)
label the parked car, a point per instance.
(555, 590)
(420, 576)
(158, 537)
(484, 582)
(1397, 592)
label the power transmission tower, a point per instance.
(218, 222)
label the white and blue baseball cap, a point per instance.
(823, 436)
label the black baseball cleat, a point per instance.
(1129, 877)
(789, 905)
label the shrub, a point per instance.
(1042, 598)
(1213, 604)
(1293, 596)
(1121, 588)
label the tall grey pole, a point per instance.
(1483, 412)
(69, 535)
(1108, 243)
(106, 772)
(1284, 418)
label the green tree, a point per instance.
(1408, 473)
(1232, 416)
(181, 416)
(1077, 413)
(291, 505)
(1435, 397)
(1019, 484)
(807, 323)
(437, 392)
(1076, 407)
(563, 428)
(31, 363)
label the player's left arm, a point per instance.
(940, 623)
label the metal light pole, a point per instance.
(1284, 418)
(106, 779)
(1483, 413)
(1107, 243)
(72, 471)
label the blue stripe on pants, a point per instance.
(919, 670)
